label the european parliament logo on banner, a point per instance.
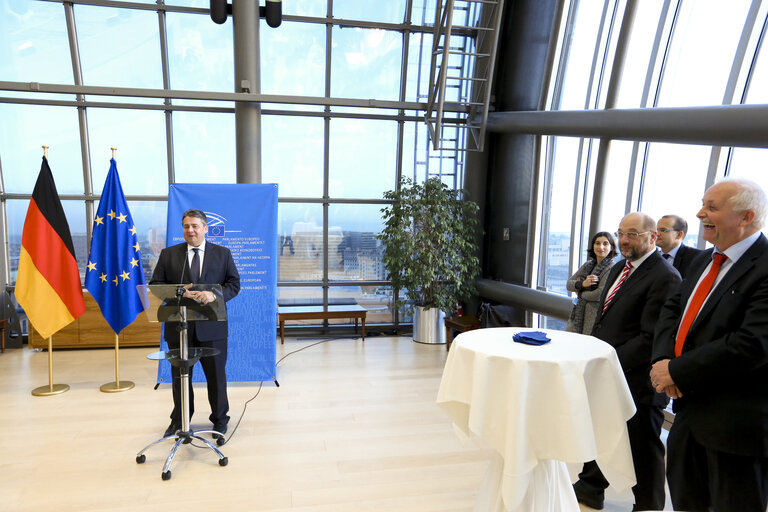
(114, 264)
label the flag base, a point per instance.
(51, 389)
(116, 387)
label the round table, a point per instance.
(538, 407)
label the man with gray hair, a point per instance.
(672, 230)
(710, 354)
(198, 261)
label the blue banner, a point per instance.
(242, 218)
(114, 264)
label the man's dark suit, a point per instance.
(683, 259)
(723, 370)
(628, 325)
(218, 268)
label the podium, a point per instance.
(167, 303)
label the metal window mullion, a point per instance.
(401, 123)
(733, 77)
(82, 117)
(595, 57)
(326, 155)
(168, 102)
(551, 143)
(614, 84)
(748, 80)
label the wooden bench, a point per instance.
(320, 313)
(459, 323)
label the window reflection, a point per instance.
(558, 202)
(113, 42)
(749, 163)
(292, 59)
(638, 57)
(574, 94)
(758, 87)
(204, 147)
(362, 146)
(353, 251)
(292, 154)
(200, 53)
(375, 54)
(671, 168)
(150, 219)
(34, 52)
(23, 130)
(300, 242)
(139, 136)
(698, 64)
(391, 11)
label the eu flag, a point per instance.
(114, 264)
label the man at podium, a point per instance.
(199, 261)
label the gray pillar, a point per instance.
(245, 18)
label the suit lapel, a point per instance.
(635, 277)
(208, 262)
(185, 272)
(741, 267)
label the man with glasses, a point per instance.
(672, 230)
(710, 354)
(636, 288)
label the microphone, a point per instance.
(184, 266)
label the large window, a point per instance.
(332, 155)
(670, 60)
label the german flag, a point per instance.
(48, 282)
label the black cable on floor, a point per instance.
(231, 435)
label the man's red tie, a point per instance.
(698, 299)
(624, 275)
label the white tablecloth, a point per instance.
(564, 401)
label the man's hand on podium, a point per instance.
(203, 297)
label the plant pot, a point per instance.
(428, 325)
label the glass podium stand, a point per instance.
(166, 303)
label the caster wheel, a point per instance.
(166, 475)
(220, 441)
(141, 458)
(223, 462)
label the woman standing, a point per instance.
(588, 283)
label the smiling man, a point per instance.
(635, 290)
(197, 261)
(711, 355)
(672, 230)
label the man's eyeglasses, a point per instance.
(631, 235)
(666, 230)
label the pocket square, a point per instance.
(531, 338)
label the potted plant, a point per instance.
(430, 252)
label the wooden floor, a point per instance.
(353, 427)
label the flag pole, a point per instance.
(45, 152)
(117, 386)
(51, 388)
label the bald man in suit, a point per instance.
(635, 290)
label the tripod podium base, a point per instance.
(54, 389)
(181, 438)
(116, 387)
